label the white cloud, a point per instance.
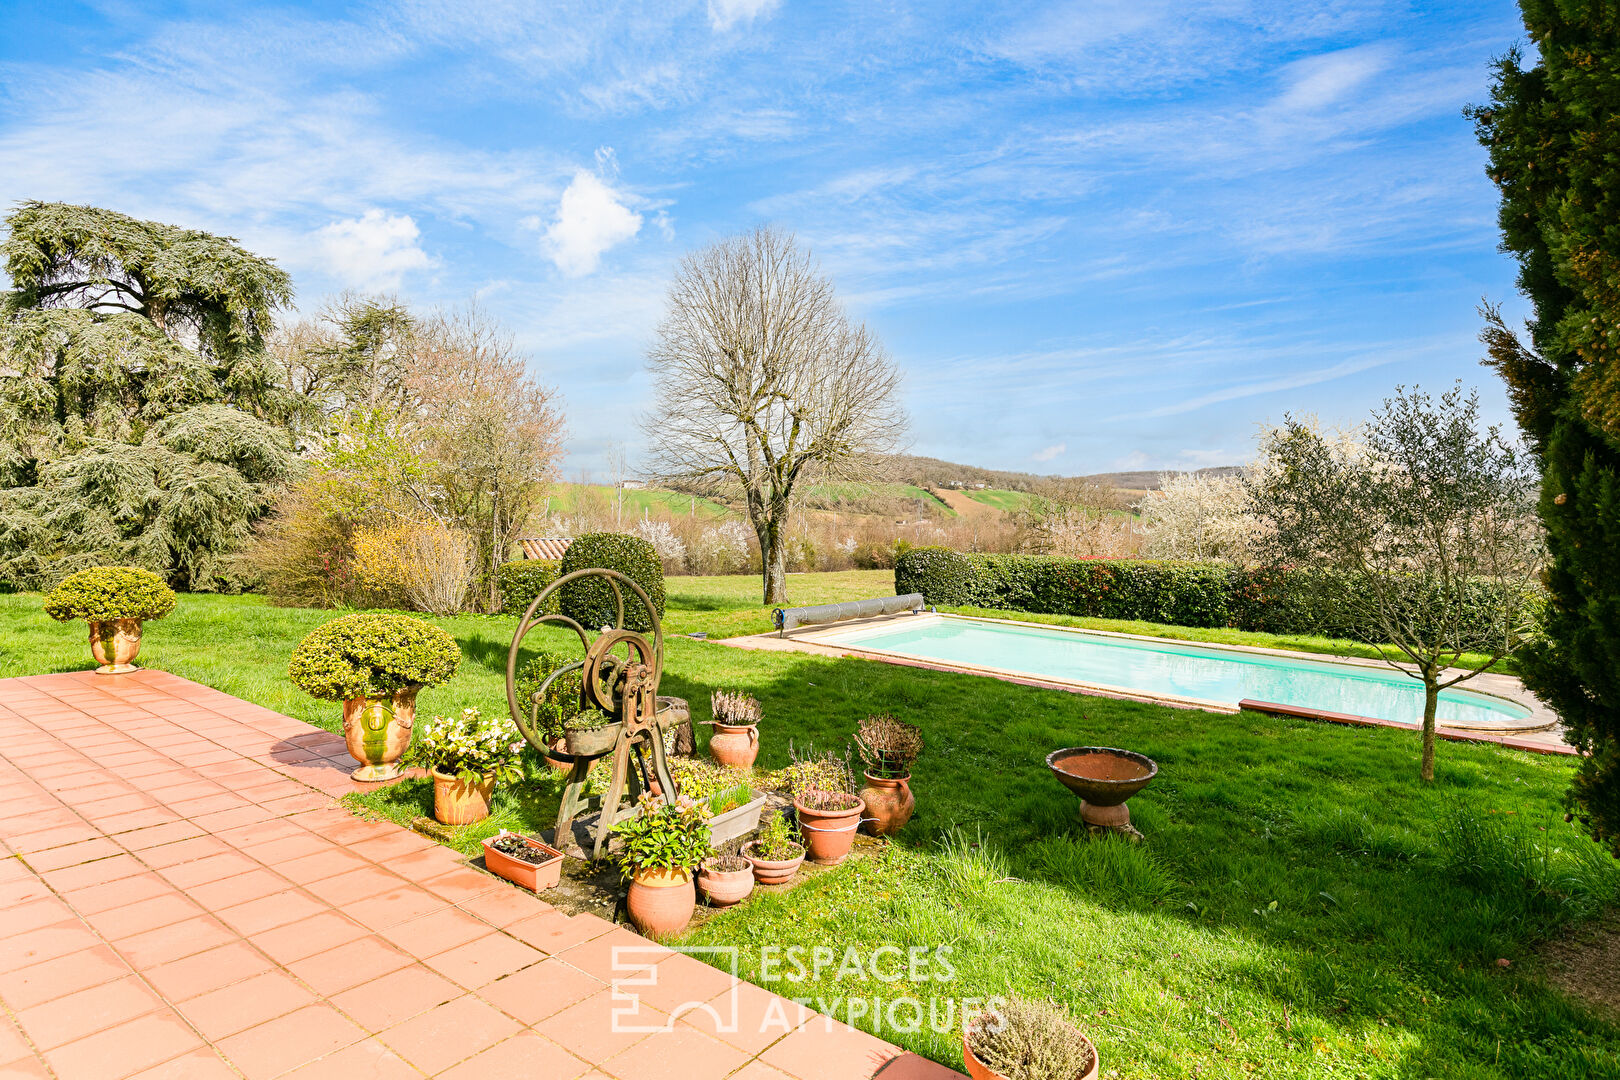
(373, 251)
(724, 14)
(1049, 453)
(591, 217)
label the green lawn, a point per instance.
(1302, 907)
(1006, 501)
(568, 497)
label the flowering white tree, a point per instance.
(1198, 516)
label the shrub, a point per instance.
(371, 654)
(521, 581)
(776, 841)
(561, 703)
(663, 836)
(942, 575)
(1029, 1040)
(590, 603)
(104, 593)
(423, 567)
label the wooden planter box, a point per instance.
(532, 876)
(739, 822)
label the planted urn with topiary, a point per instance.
(115, 601)
(375, 664)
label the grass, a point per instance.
(1008, 502)
(568, 498)
(1303, 906)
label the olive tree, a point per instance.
(762, 381)
(1422, 534)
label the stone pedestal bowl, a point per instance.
(1104, 778)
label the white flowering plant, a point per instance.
(470, 748)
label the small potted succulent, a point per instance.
(467, 756)
(663, 841)
(1026, 1040)
(735, 742)
(828, 809)
(375, 664)
(725, 878)
(887, 747)
(115, 601)
(523, 860)
(774, 854)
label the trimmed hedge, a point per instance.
(590, 603)
(521, 581)
(105, 593)
(370, 654)
(1195, 594)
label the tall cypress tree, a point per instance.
(1552, 129)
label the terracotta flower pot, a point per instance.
(889, 804)
(456, 802)
(661, 901)
(377, 731)
(735, 745)
(773, 871)
(722, 888)
(829, 834)
(559, 745)
(978, 1070)
(115, 645)
(532, 876)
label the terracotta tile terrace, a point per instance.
(181, 897)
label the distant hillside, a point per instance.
(929, 472)
(1149, 481)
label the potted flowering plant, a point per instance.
(663, 841)
(735, 742)
(887, 747)
(1026, 1040)
(375, 664)
(467, 755)
(115, 601)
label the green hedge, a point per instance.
(1176, 593)
(590, 603)
(520, 582)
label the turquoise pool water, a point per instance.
(1188, 671)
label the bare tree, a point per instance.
(1076, 517)
(1423, 535)
(761, 378)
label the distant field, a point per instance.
(871, 498)
(568, 498)
(1008, 502)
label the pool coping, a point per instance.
(1542, 724)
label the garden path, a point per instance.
(181, 897)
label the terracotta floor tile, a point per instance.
(554, 932)
(368, 1060)
(589, 1029)
(33, 915)
(355, 885)
(198, 1065)
(540, 990)
(289, 1041)
(142, 915)
(124, 1050)
(680, 1054)
(237, 889)
(205, 971)
(917, 1067)
(182, 851)
(291, 842)
(322, 864)
(825, 1047)
(268, 912)
(396, 997)
(615, 955)
(151, 948)
(747, 1017)
(681, 980)
(93, 899)
(72, 854)
(88, 874)
(523, 1055)
(503, 907)
(381, 848)
(88, 1011)
(316, 933)
(246, 1004)
(419, 866)
(483, 960)
(209, 868)
(225, 820)
(436, 932)
(158, 835)
(758, 1070)
(396, 906)
(40, 983)
(361, 960)
(449, 1034)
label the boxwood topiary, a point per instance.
(590, 602)
(105, 593)
(520, 582)
(371, 654)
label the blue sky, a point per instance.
(1099, 235)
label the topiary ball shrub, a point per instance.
(106, 593)
(371, 655)
(941, 574)
(521, 581)
(590, 602)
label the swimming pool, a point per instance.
(1193, 674)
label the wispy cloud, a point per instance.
(1050, 452)
(374, 251)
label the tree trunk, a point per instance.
(1431, 705)
(773, 561)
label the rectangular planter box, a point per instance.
(738, 822)
(533, 876)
